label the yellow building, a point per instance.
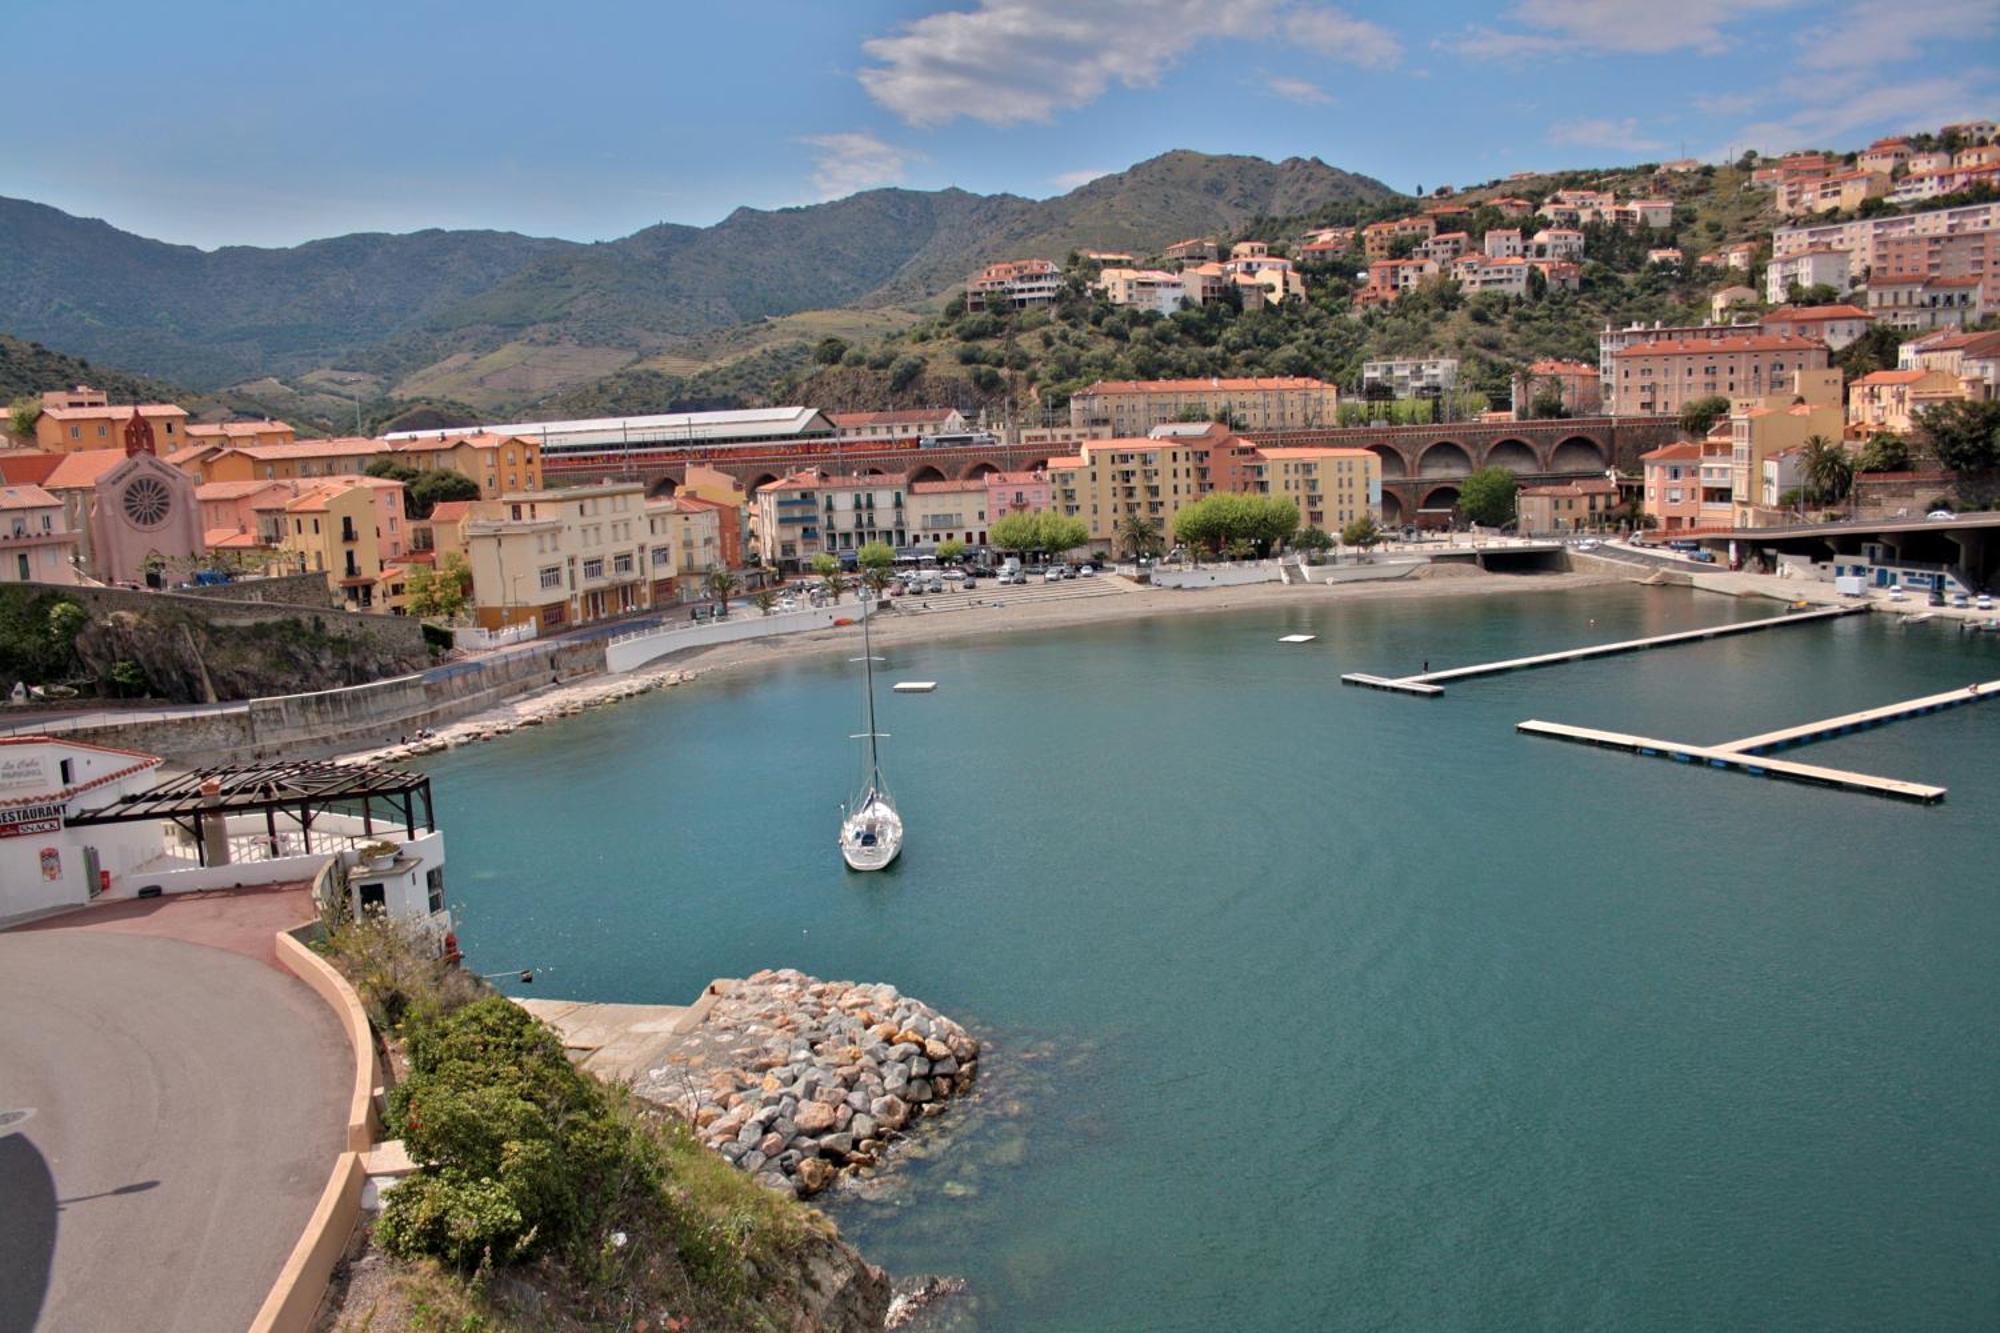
(302, 460)
(1891, 399)
(1132, 407)
(497, 464)
(1331, 487)
(1760, 428)
(560, 558)
(1108, 481)
(686, 540)
(945, 511)
(500, 464)
(100, 425)
(237, 433)
(348, 529)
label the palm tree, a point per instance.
(1140, 533)
(722, 585)
(765, 600)
(876, 578)
(1825, 468)
(833, 585)
(1242, 549)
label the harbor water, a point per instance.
(1321, 1007)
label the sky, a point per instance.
(215, 122)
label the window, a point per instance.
(551, 576)
(434, 887)
(373, 897)
(593, 568)
(622, 563)
(24, 575)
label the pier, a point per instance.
(1430, 683)
(1848, 723)
(1740, 760)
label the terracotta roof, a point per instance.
(83, 468)
(902, 416)
(1073, 462)
(450, 511)
(1560, 368)
(1671, 453)
(338, 448)
(1723, 346)
(1197, 385)
(231, 429)
(1308, 451)
(1814, 313)
(114, 412)
(1892, 377)
(1595, 486)
(26, 496)
(225, 539)
(937, 487)
(236, 490)
(27, 468)
(1016, 478)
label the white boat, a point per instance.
(871, 831)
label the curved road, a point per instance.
(188, 1104)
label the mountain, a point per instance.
(496, 318)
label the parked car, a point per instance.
(897, 589)
(1982, 602)
(1052, 575)
(935, 583)
(1086, 571)
(1705, 557)
(1014, 576)
(1960, 600)
(1940, 514)
(968, 582)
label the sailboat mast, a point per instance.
(868, 663)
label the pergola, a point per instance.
(301, 792)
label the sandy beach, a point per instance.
(993, 614)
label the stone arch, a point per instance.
(1392, 460)
(974, 471)
(1036, 465)
(760, 481)
(869, 471)
(1445, 458)
(1440, 497)
(926, 473)
(1577, 453)
(664, 486)
(1514, 455)
(1392, 509)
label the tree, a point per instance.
(1139, 534)
(876, 578)
(1313, 541)
(22, 414)
(1701, 414)
(876, 555)
(721, 584)
(765, 600)
(1060, 534)
(1965, 436)
(440, 593)
(392, 469)
(1885, 452)
(1487, 497)
(829, 351)
(951, 550)
(1018, 533)
(834, 584)
(1874, 350)
(1547, 404)
(1361, 532)
(1826, 469)
(824, 564)
(433, 488)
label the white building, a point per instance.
(1410, 377)
(45, 864)
(1143, 289)
(1818, 267)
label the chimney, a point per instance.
(214, 825)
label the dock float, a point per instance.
(1849, 723)
(1435, 678)
(1742, 761)
(1297, 638)
(1409, 685)
(915, 686)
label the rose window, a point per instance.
(147, 501)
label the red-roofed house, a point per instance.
(1891, 399)
(1673, 485)
(1834, 325)
(908, 423)
(1571, 506)
(37, 544)
(1659, 378)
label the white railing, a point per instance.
(633, 650)
(477, 640)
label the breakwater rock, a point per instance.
(801, 1081)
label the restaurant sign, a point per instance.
(24, 821)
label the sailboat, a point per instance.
(871, 832)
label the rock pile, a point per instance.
(800, 1081)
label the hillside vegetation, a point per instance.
(503, 320)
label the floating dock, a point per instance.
(1297, 638)
(1435, 678)
(1740, 760)
(1848, 723)
(915, 686)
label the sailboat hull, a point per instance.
(872, 837)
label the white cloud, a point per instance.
(1640, 27)
(1303, 91)
(1621, 135)
(851, 162)
(1006, 62)
(1070, 180)
(1726, 104)
(1832, 109)
(1873, 34)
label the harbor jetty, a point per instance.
(796, 1080)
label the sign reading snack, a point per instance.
(24, 821)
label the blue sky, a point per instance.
(213, 122)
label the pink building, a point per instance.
(1017, 493)
(36, 543)
(1673, 485)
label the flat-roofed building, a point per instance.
(37, 544)
(1409, 377)
(1129, 408)
(1014, 284)
(907, 423)
(1660, 378)
(1570, 506)
(942, 511)
(1834, 325)
(560, 557)
(817, 513)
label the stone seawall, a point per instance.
(284, 589)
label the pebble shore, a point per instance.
(800, 1081)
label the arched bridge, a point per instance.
(1423, 465)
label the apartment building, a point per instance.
(1331, 487)
(1570, 506)
(1556, 243)
(1198, 250)
(1863, 238)
(246, 519)
(1504, 243)
(1798, 406)
(1444, 247)
(1506, 277)
(1972, 358)
(301, 460)
(348, 529)
(942, 511)
(1834, 325)
(1967, 254)
(37, 543)
(1927, 303)
(1886, 156)
(1409, 377)
(230, 433)
(1611, 341)
(1820, 266)
(82, 418)
(1017, 493)
(815, 513)
(1151, 289)
(560, 558)
(1921, 186)
(683, 543)
(1132, 407)
(1672, 482)
(1663, 376)
(1840, 191)
(1014, 284)
(501, 464)
(1890, 400)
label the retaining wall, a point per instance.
(639, 649)
(286, 589)
(403, 635)
(1217, 576)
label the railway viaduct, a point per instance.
(1421, 465)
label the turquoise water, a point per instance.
(1314, 1006)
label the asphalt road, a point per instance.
(188, 1104)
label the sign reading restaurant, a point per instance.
(30, 820)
